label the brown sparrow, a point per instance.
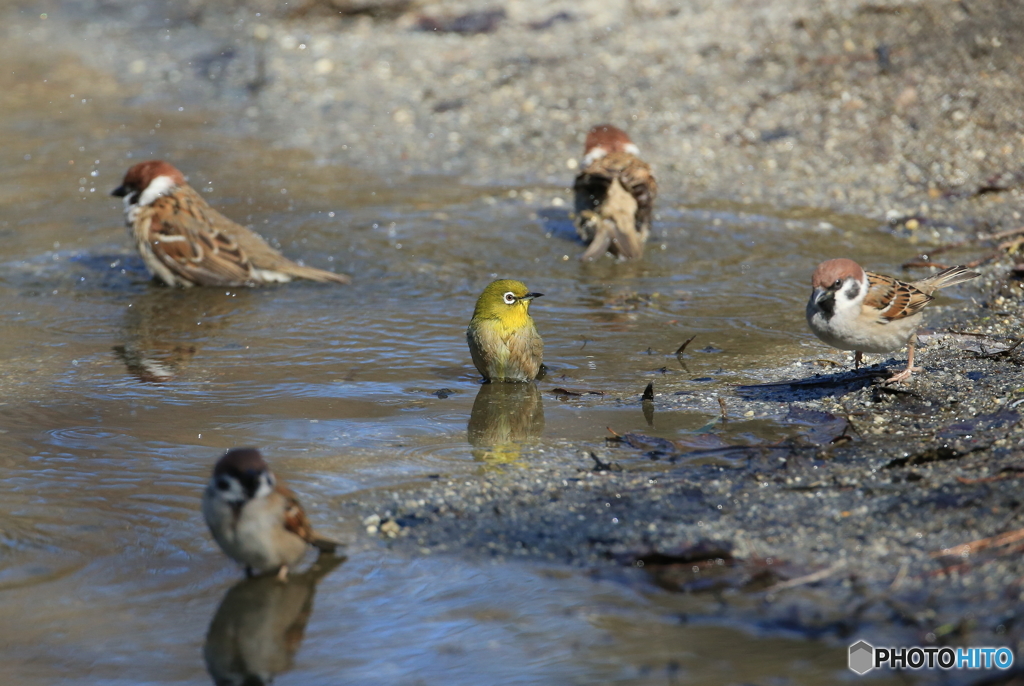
(852, 309)
(255, 520)
(185, 242)
(615, 194)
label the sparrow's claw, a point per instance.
(903, 376)
(282, 574)
(906, 373)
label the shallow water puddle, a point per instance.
(386, 621)
(118, 395)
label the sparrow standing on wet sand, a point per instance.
(185, 242)
(852, 309)
(615, 194)
(254, 519)
(502, 338)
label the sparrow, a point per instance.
(502, 339)
(255, 520)
(852, 309)
(185, 242)
(615, 194)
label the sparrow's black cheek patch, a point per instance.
(249, 480)
(251, 486)
(853, 291)
(827, 306)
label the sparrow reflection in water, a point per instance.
(504, 418)
(257, 630)
(160, 329)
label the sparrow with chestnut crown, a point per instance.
(185, 242)
(254, 518)
(615, 194)
(852, 309)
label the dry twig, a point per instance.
(685, 343)
(808, 578)
(981, 544)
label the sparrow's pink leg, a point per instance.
(282, 574)
(906, 373)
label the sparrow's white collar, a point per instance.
(599, 152)
(161, 185)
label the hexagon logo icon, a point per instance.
(862, 657)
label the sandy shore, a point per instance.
(888, 109)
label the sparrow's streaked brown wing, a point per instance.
(596, 191)
(638, 180)
(261, 255)
(185, 243)
(894, 299)
(295, 520)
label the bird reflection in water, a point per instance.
(162, 328)
(260, 624)
(505, 417)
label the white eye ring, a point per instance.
(509, 298)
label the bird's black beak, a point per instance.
(119, 192)
(823, 295)
(531, 296)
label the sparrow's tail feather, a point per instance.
(620, 208)
(627, 239)
(314, 274)
(945, 278)
(324, 545)
(602, 239)
(267, 259)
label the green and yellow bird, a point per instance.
(502, 338)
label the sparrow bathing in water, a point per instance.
(185, 242)
(615, 194)
(852, 309)
(255, 520)
(502, 339)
